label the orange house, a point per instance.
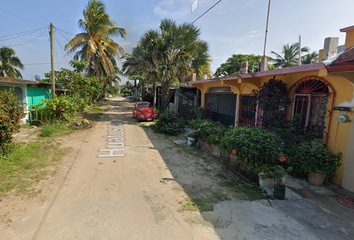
(321, 93)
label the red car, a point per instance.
(143, 111)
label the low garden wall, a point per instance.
(230, 161)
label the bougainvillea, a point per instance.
(11, 112)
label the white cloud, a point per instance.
(173, 8)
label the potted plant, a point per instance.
(317, 160)
(276, 173)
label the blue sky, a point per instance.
(231, 27)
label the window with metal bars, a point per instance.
(312, 104)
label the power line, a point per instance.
(25, 42)
(21, 17)
(59, 31)
(62, 48)
(65, 32)
(206, 11)
(19, 35)
(24, 32)
(40, 63)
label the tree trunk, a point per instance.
(154, 86)
(165, 96)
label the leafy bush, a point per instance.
(147, 96)
(87, 88)
(10, 118)
(313, 157)
(273, 100)
(207, 130)
(255, 146)
(60, 108)
(170, 123)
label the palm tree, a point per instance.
(289, 57)
(94, 45)
(173, 52)
(310, 58)
(9, 63)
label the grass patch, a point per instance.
(26, 126)
(203, 203)
(51, 129)
(244, 190)
(96, 109)
(26, 165)
(94, 116)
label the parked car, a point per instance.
(143, 111)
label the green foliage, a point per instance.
(147, 96)
(170, 123)
(233, 64)
(273, 101)
(94, 44)
(10, 117)
(60, 108)
(49, 129)
(207, 130)
(275, 172)
(289, 56)
(313, 157)
(255, 146)
(9, 63)
(86, 88)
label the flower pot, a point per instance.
(266, 182)
(316, 179)
(279, 192)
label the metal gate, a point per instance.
(224, 106)
(249, 114)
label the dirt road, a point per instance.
(139, 185)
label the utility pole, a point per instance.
(51, 33)
(299, 50)
(264, 64)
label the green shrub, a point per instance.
(254, 146)
(11, 112)
(313, 157)
(170, 123)
(60, 108)
(207, 130)
(147, 96)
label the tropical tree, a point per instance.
(233, 65)
(171, 53)
(310, 58)
(94, 45)
(10, 64)
(289, 56)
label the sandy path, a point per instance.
(107, 197)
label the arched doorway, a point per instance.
(312, 104)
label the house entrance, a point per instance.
(223, 102)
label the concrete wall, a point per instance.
(35, 95)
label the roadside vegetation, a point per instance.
(271, 149)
